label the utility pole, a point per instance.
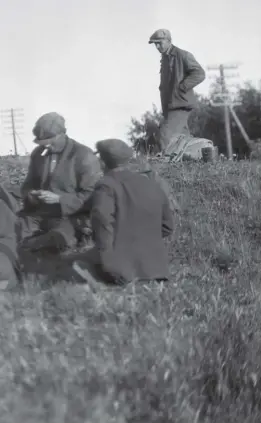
(226, 114)
(260, 93)
(225, 102)
(12, 118)
(240, 127)
(13, 131)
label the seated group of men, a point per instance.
(127, 206)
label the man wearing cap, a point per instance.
(180, 73)
(130, 217)
(57, 189)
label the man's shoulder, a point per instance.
(85, 156)
(80, 148)
(115, 177)
(181, 52)
(139, 177)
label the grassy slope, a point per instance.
(187, 352)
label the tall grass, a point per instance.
(184, 352)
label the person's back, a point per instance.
(130, 216)
(142, 219)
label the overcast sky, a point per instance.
(91, 61)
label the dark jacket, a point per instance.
(130, 217)
(73, 178)
(180, 73)
(141, 165)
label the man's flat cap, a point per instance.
(160, 34)
(114, 152)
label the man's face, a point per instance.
(47, 142)
(43, 143)
(162, 45)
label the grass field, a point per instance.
(185, 352)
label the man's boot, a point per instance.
(52, 241)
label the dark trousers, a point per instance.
(15, 226)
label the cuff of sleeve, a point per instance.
(63, 206)
(70, 204)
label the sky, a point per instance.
(91, 62)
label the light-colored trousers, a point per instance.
(174, 125)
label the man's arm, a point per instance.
(195, 73)
(167, 218)
(103, 216)
(88, 172)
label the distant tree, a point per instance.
(207, 122)
(144, 133)
(249, 114)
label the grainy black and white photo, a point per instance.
(130, 211)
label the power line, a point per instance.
(21, 142)
(13, 118)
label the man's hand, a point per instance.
(181, 92)
(32, 198)
(48, 197)
(182, 88)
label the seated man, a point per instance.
(61, 176)
(130, 217)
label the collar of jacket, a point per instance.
(171, 51)
(133, 166)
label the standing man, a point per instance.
(130, 217)
(179, 74)
(61, 177)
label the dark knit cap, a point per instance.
(114, 152)
(49, 125)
